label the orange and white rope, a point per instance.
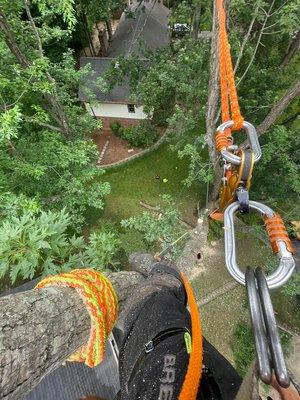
(101, 302)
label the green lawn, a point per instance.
(135, 182)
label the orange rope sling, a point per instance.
(101, 302)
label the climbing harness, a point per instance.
(101, 302)
(233, 197)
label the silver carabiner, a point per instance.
(253, 140)
(286, 263)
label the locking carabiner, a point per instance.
(283, 248)
(253, 141)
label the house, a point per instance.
(143, 21)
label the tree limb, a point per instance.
(43, 124)
(41, 328)
(53, 98)
(293, 48)
(246, 38)
(277, 110)
(258, 42)
(212, 104)
(11, 43)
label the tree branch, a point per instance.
(277, 110)
(246, 38)
(54, 98)
(11, 43)
(43, 124)
(39, 329)
(258, 43)
(293, 48)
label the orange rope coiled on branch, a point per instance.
(101, 302)
(229, 95)
(277, 231)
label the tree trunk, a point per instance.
(292, 50)
(196, 20)
(11, 43)
(88, 34)
(277, 110)
(109, 28)
(39, 329)
(212, 105)
(56, 108)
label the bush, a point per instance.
(41, 244)
(115, 127)
(142, 135)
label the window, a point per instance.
(131, 108)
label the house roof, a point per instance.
(119, 94)
(145, 22)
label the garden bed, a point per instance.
(118, 149)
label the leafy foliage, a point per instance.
(144, 134)
(160, 228)
(102, 249)
(115, 127)
(40, 243)
(46, 150)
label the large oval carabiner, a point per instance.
(284, 250)
(253, 141)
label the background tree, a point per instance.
(46, 146)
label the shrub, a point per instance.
(142, 135)
(40, 243)
(101, 251)
(115, 127)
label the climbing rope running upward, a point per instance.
(229, 97)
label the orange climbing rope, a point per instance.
(229, 98)
(101, 302)
(192, 378)
(230, 110)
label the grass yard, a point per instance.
(136, 182)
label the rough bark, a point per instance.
(293, 48)
(212, 104)
(277, 110)
(39, 329)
